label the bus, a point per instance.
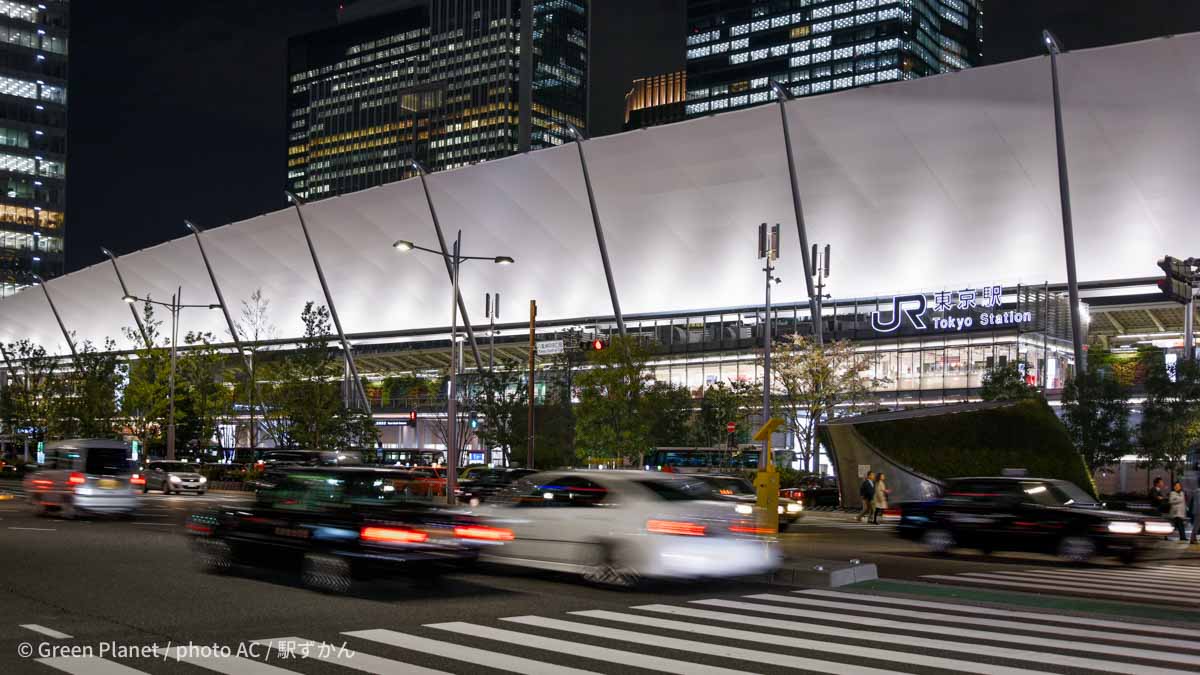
(712, 460)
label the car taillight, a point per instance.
(675, 527)
(136, 479)
(483, 532)
(42, 482)
(199, 528)
(76, 478)
(751, 529)
(393, 535)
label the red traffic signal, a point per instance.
(598, 345)
(412, 416)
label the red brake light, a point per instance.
(42, 482)
(393, 535)
(76, 478)
(137, 479)
(675, 527)
(482, 532)
(197, 527)
(750, 529)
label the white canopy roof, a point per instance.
(942, 182)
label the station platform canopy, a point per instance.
(941, 182)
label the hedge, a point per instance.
(1024, 435)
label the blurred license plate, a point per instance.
(108, 484)
(293, 532)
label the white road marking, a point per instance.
(477, 657)
(1041, 587)
(355, 660)
(35, 529)
(875, 655)
(230, 665)
(1152, 586)
(89, 665)
(58, 635)
(695, 647)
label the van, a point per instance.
(84, 476)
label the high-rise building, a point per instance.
(443, 82)
(814, 46)
(656, 100)
(33, 140)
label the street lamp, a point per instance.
(175, 307)
(455, 259)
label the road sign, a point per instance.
(731, 427)
(549, 347)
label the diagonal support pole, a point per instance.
(125, 293)
(57, 317)
(437, 227)
(337, 323)
(608, 273)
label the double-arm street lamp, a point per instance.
(455, 258)
(175, 307)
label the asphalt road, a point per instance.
(99, 586)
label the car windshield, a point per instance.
(106, 461)
(1072, 495)
(727, 486)
(678, 490)
(385, 489)
(178, 467)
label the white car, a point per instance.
(618, 527)
(176, 477)
(84, 476)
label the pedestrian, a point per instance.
(880, 500)
(867, 492)
(1177, 510)
(1158, 497)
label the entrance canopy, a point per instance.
(947, 181)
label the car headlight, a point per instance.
(174, 479)
(744, 509)
(780, 509)
(794, 508)
(203, 480)
(1125, 527)
(1158, 527)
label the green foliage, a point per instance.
(202, 398)
(1005, 383)
(668, 410)
(722, 403)
(500, 396)
(25, 403)
(1171, 415)
(610, 419)
(144, 400)
(1097, 417)
(1024, 435)
(83, 400)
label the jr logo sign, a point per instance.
(971, 308)
(912, 306)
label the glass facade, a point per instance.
(815, 46)
(33, 140)
(439, 82)
(656, 100)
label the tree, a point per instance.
(818, 381)
(1097, 417)
(27, 398)
(255, 327)
(1006, 383)
(145, 397)
(609, 420)
(1171, 414)
(202, 398)
(83, 402)
(501, 398)
(722, 403)
(669, 410)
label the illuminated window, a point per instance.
(800, 31)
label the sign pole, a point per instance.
(532, 351)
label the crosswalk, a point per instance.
(1164, 584)
(824, 631)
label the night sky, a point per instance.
(177, 108)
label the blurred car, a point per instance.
(84, 476)
(341, 524)
(740, 490)
(815, 491)
(472, 472)
(174, 477)
(311, 458)
(617, 528)
(1027, 514)
(487, 483)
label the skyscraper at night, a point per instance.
(444, 82)
(656, 100)
(33, 140)
(813, 46)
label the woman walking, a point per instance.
(1177, 510)
(881, 502)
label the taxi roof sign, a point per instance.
(765, 431)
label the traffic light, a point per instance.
(593, 345)
(412, 416)
(1179, 277)
(473, 420)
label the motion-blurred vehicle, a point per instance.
(272, 458)
(815, 491)
(741, 491)
(487, 483)
(617, 528)
(711, 460)
(84, 476)
(472, 472)
(1027, 514)
(341, 524)
(174, 477)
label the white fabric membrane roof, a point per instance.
(943, 182)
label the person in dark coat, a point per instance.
(867, 492)
(1158, 497)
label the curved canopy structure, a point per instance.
(945, 181)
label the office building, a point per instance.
(812, 46)
(33, 140)
(447, 83)
(656, 100)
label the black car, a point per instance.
(341, 524)
(487, 483)
(1027, 514)
(738, 489)
(815, 491)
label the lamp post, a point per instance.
(175, 307)
(455, 259)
